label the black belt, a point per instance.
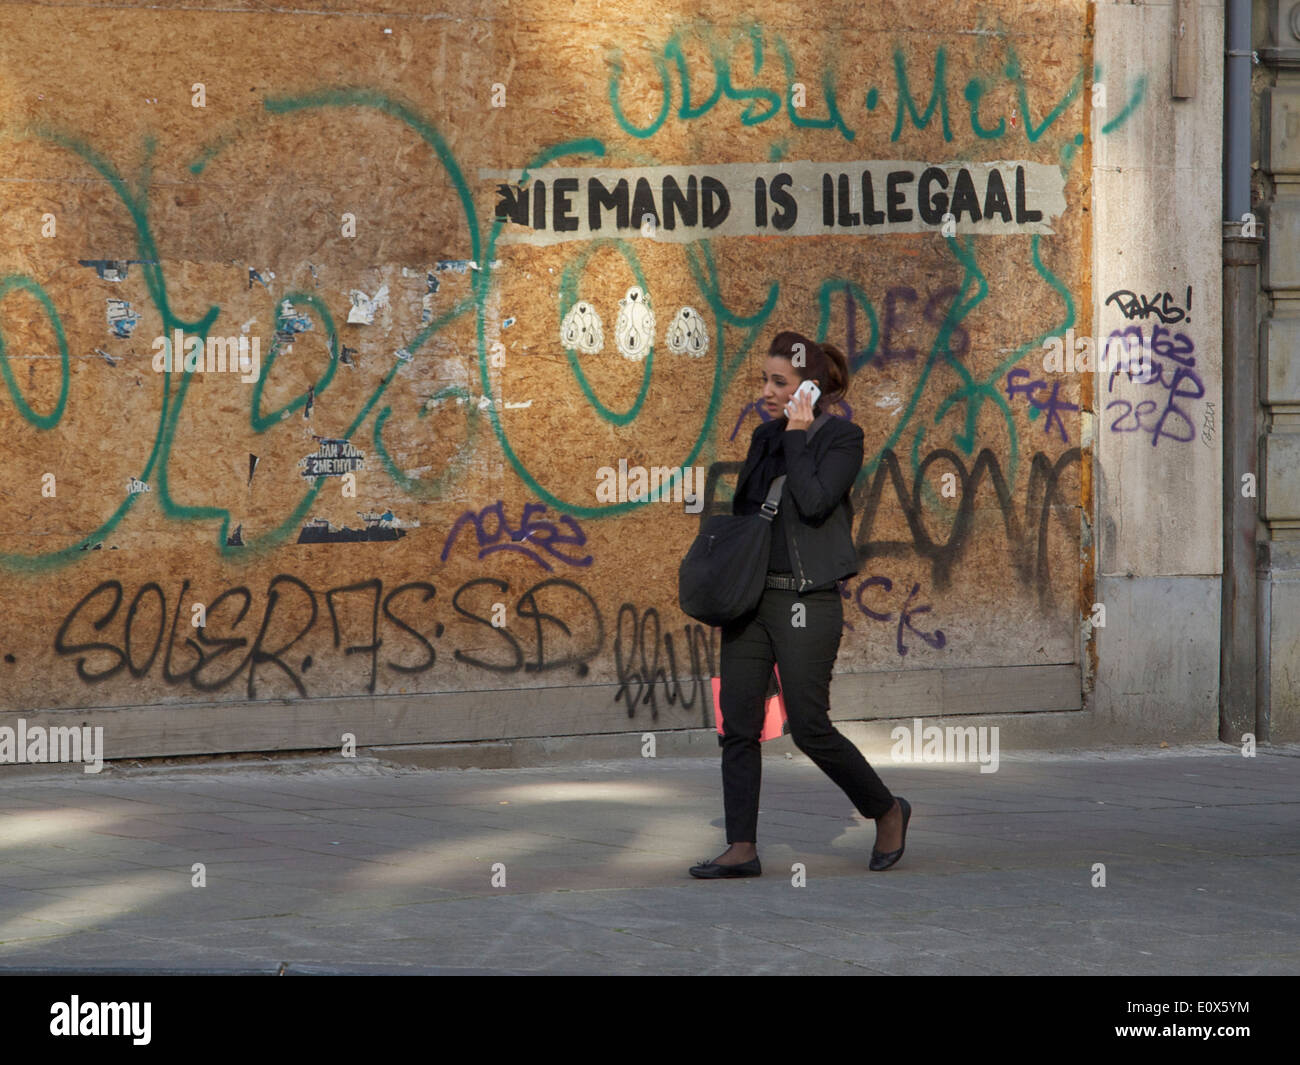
(788, 584)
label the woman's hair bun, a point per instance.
(824, 363)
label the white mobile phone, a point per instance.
(808, 388)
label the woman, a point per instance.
(812, 549)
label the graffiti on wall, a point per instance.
(908, 346)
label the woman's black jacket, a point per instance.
(815, 504)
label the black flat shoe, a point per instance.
(714, 871)
(883, 860)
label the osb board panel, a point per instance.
(331, 161)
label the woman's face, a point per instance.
(780, 380)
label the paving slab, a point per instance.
(330, 865)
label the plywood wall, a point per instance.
(326, 184)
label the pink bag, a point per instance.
(775, 724)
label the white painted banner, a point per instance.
(796, 198)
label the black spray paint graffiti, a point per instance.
(638, 664)
(1027, 538)
(556, 593)
(501, 537)
(1135, 306)
(564, 630)
(1176, 375)
(201, 657)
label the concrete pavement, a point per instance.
(358, 865)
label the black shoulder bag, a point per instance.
(723, 573)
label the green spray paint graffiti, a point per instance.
(972, 393)
(973, 289)
(905, 109)
(173, 395)
(19, 283)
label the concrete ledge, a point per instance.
(511, 716)
(552, 750)
(1053, 731)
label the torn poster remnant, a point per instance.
(333, 458)
(114, 269)
(289, 323)
(364, 307)
(120, 319)
(461, 265)
(430, 289)
(377, 527)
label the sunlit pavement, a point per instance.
(353, 865)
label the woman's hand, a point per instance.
(799, 411)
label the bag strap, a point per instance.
(773, 501)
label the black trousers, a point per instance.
(804, 654)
